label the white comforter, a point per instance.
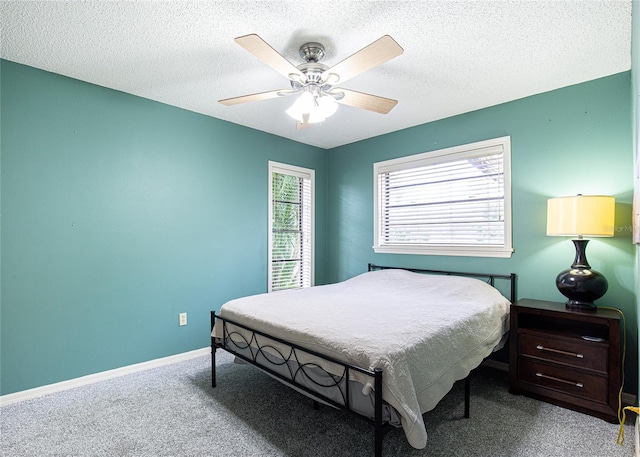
(424, 331)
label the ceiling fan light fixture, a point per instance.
(327, 105)
(314, 117)
(315, 81)
(303, 104)
(316, 107)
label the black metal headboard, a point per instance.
(490, 276)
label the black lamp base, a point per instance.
(576, 305)
(580, 284)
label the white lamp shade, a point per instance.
(581, 215)
(327, 106)
(317, 109)
(303, 105)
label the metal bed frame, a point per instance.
(259, 349)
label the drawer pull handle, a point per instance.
(558, 351)
(577, 384)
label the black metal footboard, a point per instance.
(302, 368)
(289, 363)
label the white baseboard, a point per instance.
(97, 377)
(637, 436)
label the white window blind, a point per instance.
(291, 209)
(450, 202)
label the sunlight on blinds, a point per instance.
(459, 202)
(446, 199)
(291, 232)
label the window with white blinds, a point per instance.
(291, 209)
(455, 201)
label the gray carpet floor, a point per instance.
(173, 411)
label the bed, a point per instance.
(386, 345)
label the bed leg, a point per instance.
(379, 430)
(213, 352)
(378, 444)
(467, 395)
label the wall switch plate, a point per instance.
(182, 318)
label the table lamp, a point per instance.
(581, 216)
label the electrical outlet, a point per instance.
(182, 318)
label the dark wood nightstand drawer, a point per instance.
(571, 351)
(574, 382)
(550, 360)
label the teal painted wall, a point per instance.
(118, 214)
(573, 140)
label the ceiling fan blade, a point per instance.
(305, 124)
(376, 53)
(263, 51)
(365, 101)
(255, 97)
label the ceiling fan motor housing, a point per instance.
(312, 52)
(312, 72)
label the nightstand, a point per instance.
(568, 358)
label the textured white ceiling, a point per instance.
(459, 55)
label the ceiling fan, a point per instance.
(315, 82)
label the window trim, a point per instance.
(439, 156)
(300, 172)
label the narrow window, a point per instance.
(291, 208)
(455, 201)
